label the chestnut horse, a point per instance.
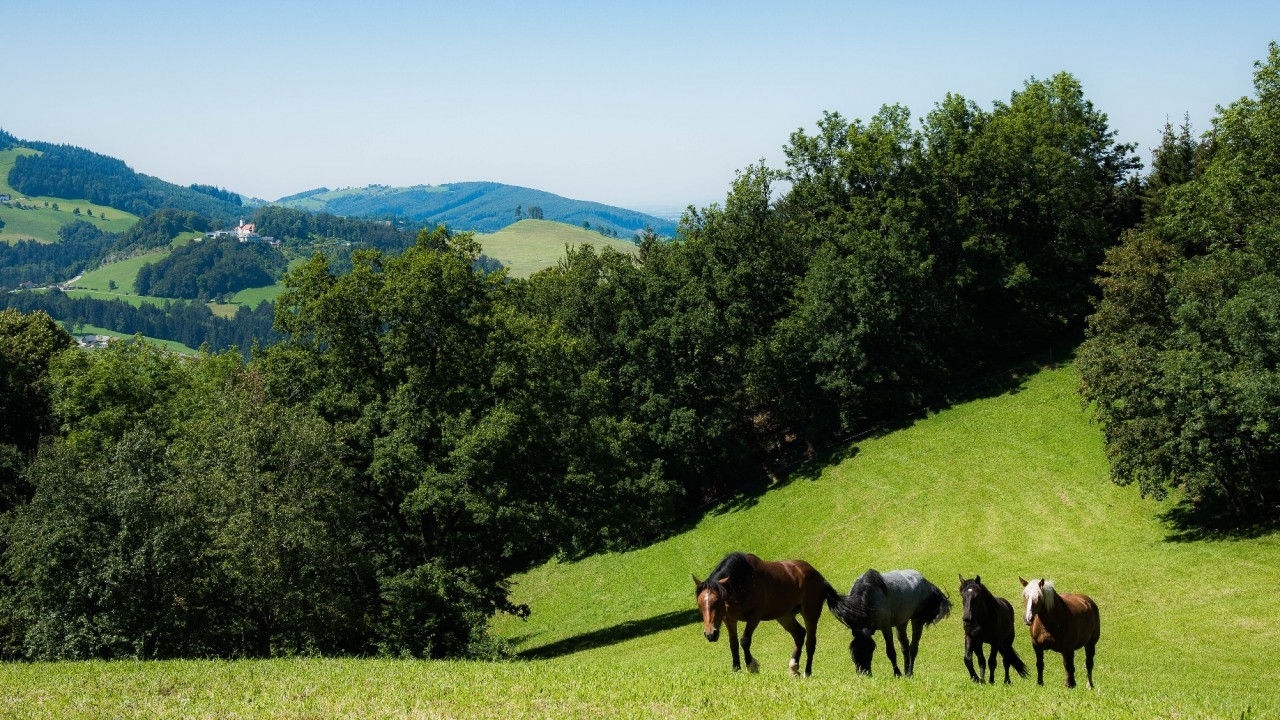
(988, 620)
(745, 588)
(1062, 622)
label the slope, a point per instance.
(1011, 485)
(532, 245)
(34, 218)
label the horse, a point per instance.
(745, 588)
(988, 619)
(1063, 622)
(890, 600)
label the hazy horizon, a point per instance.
(652, 106)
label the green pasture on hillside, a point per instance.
(1011, 484)
(532, 245)
(41, 223)
(170, 345)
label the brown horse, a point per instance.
(988, 620)
(1062, 622)
(745, 588)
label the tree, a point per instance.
(1181, 364)
(535, 212)
(28, 345)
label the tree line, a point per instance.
(1182, 363)
(66, 171)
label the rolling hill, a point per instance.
(1011, 484)
(34, 217)
(532, 245)
(480, 206)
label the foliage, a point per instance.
(191, 323)
(213, 267)
(1181, 364)
(218, 193)
(28, 343)
(45, 263)
(70, 172)
(159, 229)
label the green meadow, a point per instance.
(1013, 483)
(42, 223)
(532, 245)
(171, 345)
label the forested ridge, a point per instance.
(423, 430)
(66, 171)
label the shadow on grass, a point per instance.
(613, 635)
(1189, 523)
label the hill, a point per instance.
(532, 245)
(39, 217)
(480, 206)
(75, 173)
(1015, 483)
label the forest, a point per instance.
(212, 268)
(423, 431)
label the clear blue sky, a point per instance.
(636, 104)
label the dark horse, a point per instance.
(890, 600)
(1063, 622)
(988, 619)
(744, 587)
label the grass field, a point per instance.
(1013, 484)
(170, 345)
(42, 223)
(532, 245)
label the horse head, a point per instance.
(713, 603)
(862, 648)
(974, 608)
(1038, 597)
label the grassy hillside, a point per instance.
(42, 223)
(1008, 485)
(532, 245)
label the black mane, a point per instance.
(861, 602)
(738, 568)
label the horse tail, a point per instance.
(937, 607)
(1015, 662)
(832, 597)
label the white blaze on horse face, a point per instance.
(1031, 594)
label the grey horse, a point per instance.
(880, 601)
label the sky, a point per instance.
(647, 105)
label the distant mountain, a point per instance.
(480, 206)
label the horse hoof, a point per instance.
(753, 667)
(794, 667)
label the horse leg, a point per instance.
(982, 664)
(888, 650)
(1039, 665)
(732, 627)
(747, 632)
(969, 647)
(788, 622)
(1069, 664)
(1004, 653)
(916, 629)
(1088, 662)
(811, 636)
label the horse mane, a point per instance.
(739, 571)
(1048, 593)
(860, 603)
